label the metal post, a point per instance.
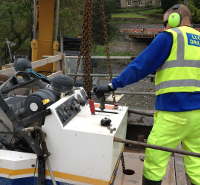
(0, 65)
(185, 2)
(34, 19)
(9, 51)
(5, 53)
(61, 42)
(57, 20)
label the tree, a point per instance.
(97, 27)
(194, 6)
(16, 22)
(166, 4)
(71, 17)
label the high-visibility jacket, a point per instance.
(181, 71)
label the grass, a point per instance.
(128, 15)
(157, 11)
(101, 51)
(138, 21)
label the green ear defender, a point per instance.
(174, 19)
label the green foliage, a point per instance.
(101, 51)
(97, 27)
(194, 7)
(71, 13)
(16, 23)
(128, 15)
(166, 4)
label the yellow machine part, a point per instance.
(44, 43)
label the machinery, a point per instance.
(56, 125)
(43, 30)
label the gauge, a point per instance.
(79, 98)
(60, 111)
(75, 105)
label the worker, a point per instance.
(175, 54)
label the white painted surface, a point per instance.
(83, 147)
(16, 161)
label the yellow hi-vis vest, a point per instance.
(181, 70)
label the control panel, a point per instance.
(67, 110)
(71, 106)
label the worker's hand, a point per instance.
(101, 89)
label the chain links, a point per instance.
(106, 44)
(123, 163)
(85, 48)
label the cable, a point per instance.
(41, 76)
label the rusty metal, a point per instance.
(157, 147)
(85, 48)
(141, 113)
(106, 44)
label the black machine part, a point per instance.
(62, 83)
(105, 122)
(39, 101)
(21, 64)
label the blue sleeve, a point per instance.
(147, 62)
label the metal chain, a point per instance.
(106, 44)
(85, 49)
(123, 163)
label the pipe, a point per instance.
(50, 170)
(57, 20)
(156, 147)
(34, 19)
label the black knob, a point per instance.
(105, 122)
(83, 102)
(77, 107)
(72, 107)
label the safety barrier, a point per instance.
(59, 59)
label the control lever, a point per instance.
(92, 107)
(102, 102)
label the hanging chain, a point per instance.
(85, 48)
(106, 44)
(123, 163)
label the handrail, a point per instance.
(100, 57)
(104, 75)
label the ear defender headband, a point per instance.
(174, 19)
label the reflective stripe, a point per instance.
(184, 63)
(180, 44)
(180, 52)
(177, 83)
